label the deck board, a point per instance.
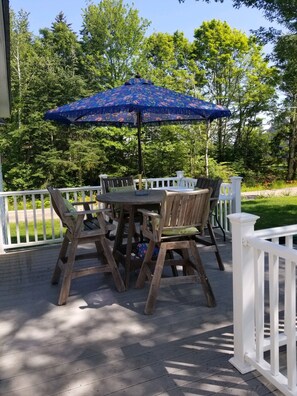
(101, 343)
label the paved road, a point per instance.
(21, 215)
(289, 191)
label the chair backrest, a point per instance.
(215, 185)
(184, 209)
(109, 183)
(60, 207)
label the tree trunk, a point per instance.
(291, 167)
(18, 63)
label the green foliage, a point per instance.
(170, 62)
(112, 38)
(234, 74)
(221, 65)
(285, 55)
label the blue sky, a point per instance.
(165, 15)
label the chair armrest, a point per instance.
(83, 203)
(150, 225)
(148, 213)
(86, 212)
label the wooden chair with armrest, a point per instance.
(118, 184)
(211, 242)
(77, 233)
(181, 216)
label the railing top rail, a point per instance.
(276, 232)
(45, 191)
(273, 248)
(223, 195)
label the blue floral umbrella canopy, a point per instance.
(134, 104)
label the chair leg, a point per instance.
(155, 284)
(62, 257)
(173, 267)
(211, 302)
(67, 274)
(108, 236)
(99, 249)
(187, 269)
(112, 265)
(145, 272)
(220, 226)
(214, 242)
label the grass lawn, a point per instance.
(273, 211)
(48, 226)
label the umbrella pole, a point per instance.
(206, 147)
(140, 170)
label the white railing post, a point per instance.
(2, 224)
(243, 290)
(180, 176)
(2, 212)
(236, 193)
(102, 176)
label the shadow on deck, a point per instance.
(101, 343)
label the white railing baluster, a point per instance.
(16, 214)
(34, 217)
(290, 325)
(259, 303)
(26, 218)
(43, 217)
(274, 312)
(52, 221)
(7, 234)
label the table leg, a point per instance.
(120, 232)
(131, 230)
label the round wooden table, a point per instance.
(129, 202)
(132, 197)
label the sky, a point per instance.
(166, 16)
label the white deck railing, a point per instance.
(28, 219)
(264, 295)
(29, 216)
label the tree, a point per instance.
(234, 74)
(22, 60)
(285, 56)
(170, 63)
(45, 73)
(62, 63)
(112, 38)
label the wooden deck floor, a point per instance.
(101, 343)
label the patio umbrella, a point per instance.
(136, 103)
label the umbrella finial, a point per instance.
(137, 75)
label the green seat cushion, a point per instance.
(71, 209)
(180, 231)
(177, 230)
(121, 189)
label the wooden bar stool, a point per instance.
(76, 234)
(180, 218)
